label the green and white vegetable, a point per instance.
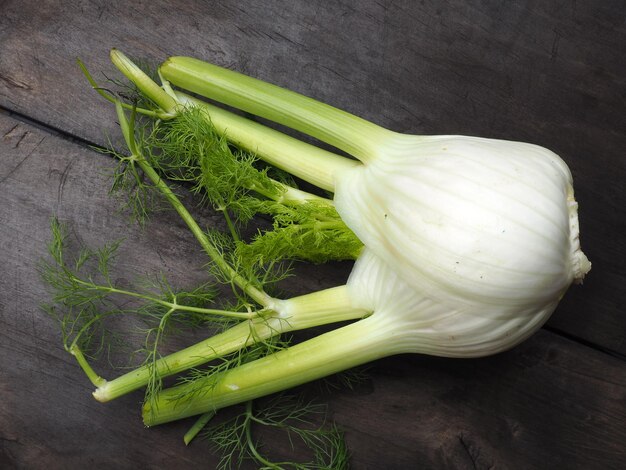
(464, 246)
(471, 242)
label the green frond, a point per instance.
(239, 439)
(189, 149)
(84, 300)
(312, 232)
(136, 195)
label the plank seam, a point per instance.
(584, 342)
(43, 126)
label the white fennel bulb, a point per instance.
(487, 225)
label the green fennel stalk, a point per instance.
(331, 352)
(319, 308)
(327, 307)
(356, 136)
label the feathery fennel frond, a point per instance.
(189, 149)
(84, 298)
(236, 438)
(312, 232)
(237, 184)
(137, 196)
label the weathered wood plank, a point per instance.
(546, 72)
(550, 403)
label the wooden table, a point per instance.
(551, 73)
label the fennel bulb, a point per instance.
(489, 223)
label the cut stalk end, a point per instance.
(142, 81)
(101, 393)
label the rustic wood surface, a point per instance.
(550, 72)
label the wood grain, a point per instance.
(548, 72)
